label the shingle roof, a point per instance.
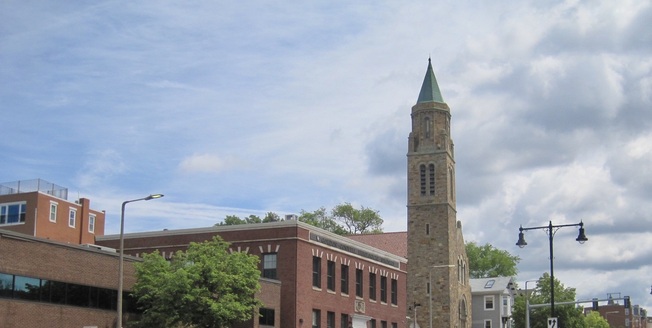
(482, 285)
(391, 242)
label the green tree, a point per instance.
(231, 220)
(358, 221)
(271, 217)
(487, 261)
(569, 316)
(253, 219)
(205, 286)
(595, 320)
(320, 219)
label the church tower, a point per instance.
(438, 292)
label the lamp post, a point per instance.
(121, 259)
(527, 305)
(551, 230)
(430, 287)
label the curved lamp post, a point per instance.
(122, 244)
(551, 230)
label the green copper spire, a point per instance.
(430, 90)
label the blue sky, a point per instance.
(231, 108)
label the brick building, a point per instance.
(325, 280)
(45, 283)
(42, 209)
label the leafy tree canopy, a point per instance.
(205, 286)
(320, 219)
(569, 316)
(354, 221)
(487, 261)
(358, 221)
(595, 320)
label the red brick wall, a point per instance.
(294, 268)
(37, 218)
(72, 264)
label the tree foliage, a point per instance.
(569, 316)
(358, 221)
(354, 221)
(487, 261)
(595, 320)
(205, 286)
(320, 219)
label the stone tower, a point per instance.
(438, 292)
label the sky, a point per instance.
(240, 108)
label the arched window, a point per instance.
(451, 181)
(422, 175)
(431, 176)
(463, 313)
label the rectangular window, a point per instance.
(12, 213)
(372, 323)
(394, 325)
(383, 289)
(330, 276)
(383, 324)
(91, 223)
(372, 286)
(330, 319)
(316, 272)
(344, 320)
(266, 317)
(72, 217)
(6, 285)
(344, 279)
(394, 292)
(316, 318)
(269, 266)
(489, 302)
(358, 283)
(487, 323)
(53, 211)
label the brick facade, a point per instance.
(39, 224)
(295, 244)
(37, 258)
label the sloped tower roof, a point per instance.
(430, 89)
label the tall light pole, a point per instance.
(121, 260)
(430, 287)
(527, 305)
(551, 230)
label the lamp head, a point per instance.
(581, 238)
(154, 196)
(521, 238)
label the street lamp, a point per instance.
(122, 244)
(551, 230)
(430, 286)
(527, 305)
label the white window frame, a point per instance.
(72, 217)
(493, 302)
(54, 207)
(91, 223)
(488, 323)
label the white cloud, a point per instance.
(208, 163)
(247, 108)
